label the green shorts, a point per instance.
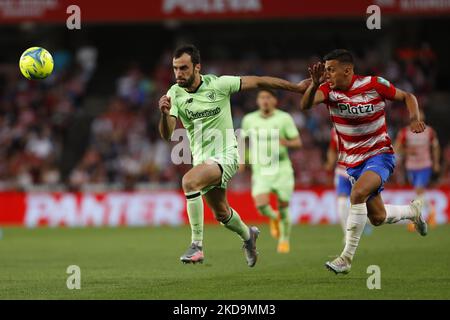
(282, 184)
(229, 164)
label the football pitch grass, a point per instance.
(143, 263)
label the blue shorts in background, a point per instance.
(343, 185)
(420, 178)
(382, 164)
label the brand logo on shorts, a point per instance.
(352, 180)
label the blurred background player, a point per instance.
(341, 182)
(202, 103)
(257, 127)
(421, 154)
(356, 105)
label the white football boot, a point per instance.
(339, 265)
(419, 222)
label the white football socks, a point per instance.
(356, 221)
(395, 213)
(426, 203)
(342, 209)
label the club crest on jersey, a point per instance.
(358, 109)
(211, 95)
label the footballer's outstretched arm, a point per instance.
(399, 146)
(255, 82)
(292, 143)
(416, 124)
(167, 122)
(436, 153)
(332, 156)
(312, 96)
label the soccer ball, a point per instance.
(36, 63)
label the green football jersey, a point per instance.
(206, 115)
(261, 129)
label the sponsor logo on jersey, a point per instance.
(202, 114)
(358, 109)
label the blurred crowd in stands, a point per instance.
(124, 150)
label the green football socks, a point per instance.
(285, 224)
(267, 211)
(195, 213)
(235, 224)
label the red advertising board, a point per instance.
(14, 11)
(311, 206)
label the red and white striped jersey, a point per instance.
(334, 141)
(417, 147)
(359, 118)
